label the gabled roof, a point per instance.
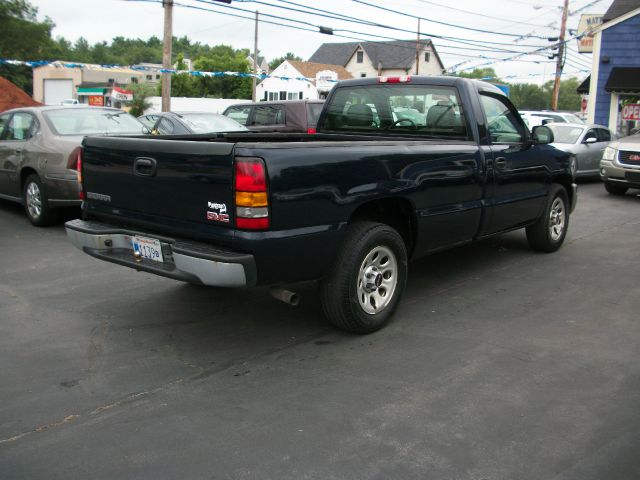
(393, 54)
(619, 8)
(310, 69)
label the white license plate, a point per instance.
(148, 248)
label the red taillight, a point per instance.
(402, 79)
(311, 130)
(251, 198)
(75, 163)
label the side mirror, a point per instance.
(590, 140)
(542, 135)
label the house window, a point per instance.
(360, 57)
(427, 55)
(362, 74)
(149, 77)
(158, 76)
(273, 96)
(134, 79)
(111, 80)
(299, 95)
(292, 96)
(283, 96)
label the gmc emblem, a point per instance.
(218, 217)
(634, 158)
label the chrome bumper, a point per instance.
(183, 260)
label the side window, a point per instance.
(502, 123)
(165, 127)
(590, 134)
(268, 115)
(603, 135)
(239, 114)
(3, 122)
(21, 127)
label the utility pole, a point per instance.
(255, 59)
(418, 50)
(166, 54)
(560, 62)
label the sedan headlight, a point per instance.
(609, 153)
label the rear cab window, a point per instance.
(268, 115)
(240, 114)
(313, 113)
(421, 110)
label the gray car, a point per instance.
(620, 165)
(585, 143)
(40, 154)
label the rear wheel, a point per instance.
(366, 283)
(548, 233)
(36, 204)
(615, 189)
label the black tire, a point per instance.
(547, 234)
(36, 204)
(345, 299)
(615, 189)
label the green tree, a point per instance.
(273, 64)
(183, 84)
(23, 37)
(480, 73)
(223, 58)
(528, 96)
(140, 93)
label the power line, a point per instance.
(442, 23)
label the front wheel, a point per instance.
(615, 189)
(547, 234)
(366, 283)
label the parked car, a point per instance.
(39, 153)
(286, 116)
(185, 123)
(585, 144)
(557, 117)
(620, 165)
(347, 207)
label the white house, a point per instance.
(294, 87)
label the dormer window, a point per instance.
(360, 57)
(427, 55)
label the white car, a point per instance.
(550, 116)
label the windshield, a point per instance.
(571, 118)
(210, 123)
(91, 121)
(564, 133)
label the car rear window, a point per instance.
(240, 114)
(424, 110)
(210, 123)
(268, 115)
(91, 121)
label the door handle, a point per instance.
(500, 163)
(145, 167)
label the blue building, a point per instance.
(615, 73)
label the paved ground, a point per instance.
(500, 364)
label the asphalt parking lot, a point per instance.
(501, 364)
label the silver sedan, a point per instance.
(40, 154)
(585, 144)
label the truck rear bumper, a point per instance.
(182, 260)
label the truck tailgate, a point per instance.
(160, 178)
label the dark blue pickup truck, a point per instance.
(400, 167)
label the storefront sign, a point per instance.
(96, 100)
(588, 23)
(631, 111)
(325, 80)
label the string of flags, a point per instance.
(194, 73)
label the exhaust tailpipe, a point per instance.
(286, 296)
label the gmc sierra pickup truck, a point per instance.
(347, 207)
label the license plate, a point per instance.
(148, 248)
(632, 176)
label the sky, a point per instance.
(208, 22)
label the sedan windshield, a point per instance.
(91, 121)
(565, 133)
(210, 123)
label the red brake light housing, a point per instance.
(251, 194)
(75, 163)
(311, 130)
(402, 79)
